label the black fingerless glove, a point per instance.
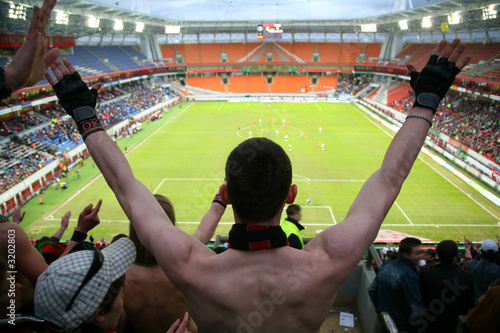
(76, 98)
(432, 83)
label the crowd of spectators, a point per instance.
(474, 123)
(352, 84)
(18, 124)
(414, 285)
(60, 133)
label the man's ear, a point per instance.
(223, 194)
(99, 316)
(292, 193)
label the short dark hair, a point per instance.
(489, 255)
(292, 209)
(407, 244)
(446, 251)
(258, 175)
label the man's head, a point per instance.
(411, 248)
(84, 286)
(430, 255)
(258, 175)
(143, 254)
(447, 252)
(294, 211)
(489, 250)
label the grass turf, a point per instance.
(183, 155)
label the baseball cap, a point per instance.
(62, 279)
(489, 245)
(431, 252)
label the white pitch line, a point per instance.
(403, 213)
(50, 216)
(327, 207)
(220, 106)
(319, 107)
(433, 168)
(439, 225)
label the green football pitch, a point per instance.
(182, 156)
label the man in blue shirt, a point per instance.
(483, 271)
(396, 289)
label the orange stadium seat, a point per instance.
(168, 52)
(235, 51)
(372, 51)
(299, 82)
(258, 84)
(398, 93)
(214, 83)
(190, 53)
(210, 53)
(282, 84)
(329, 52)
(302, 50)
(238, 84)
(350, 51)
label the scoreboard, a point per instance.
(269, 31)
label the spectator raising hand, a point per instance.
(179, 326)
(17, 217)
(32, 60)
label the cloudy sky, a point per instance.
(265, 10)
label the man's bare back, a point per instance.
(261, 291)
(151, 301)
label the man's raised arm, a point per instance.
(140, 206)
(349, 240)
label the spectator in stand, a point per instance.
(484, 317)
(31, 60)
(29, 264)
(258, 189)
(292, 227)
(154, 310)
(484, 271)
(386, 251)
(83, 291)
(430, 259)
(396, 288)
(447, 291)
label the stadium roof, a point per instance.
(78, 12)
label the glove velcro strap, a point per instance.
(218, 200)
(87, 121)
(427, 100)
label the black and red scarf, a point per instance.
(254, 237)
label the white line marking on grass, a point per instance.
(327, 207)
(403, 213)
(466, 194)
(433, 168)
(319, 107)
(50, 216)
(220, 106)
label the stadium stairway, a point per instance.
(280, 54)
(381, 95)
(293, 56)
(251, 53)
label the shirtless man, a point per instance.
(155, 308)
(278, 288)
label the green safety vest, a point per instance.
(290, 228)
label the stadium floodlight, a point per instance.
(403, 24)
(369, 27)
(172, 29)
(62, 17)
(454, 18)
(17, 11)
(139, 27)
(489, 13)
(93, 22)
(118, 25)
(426, 22)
